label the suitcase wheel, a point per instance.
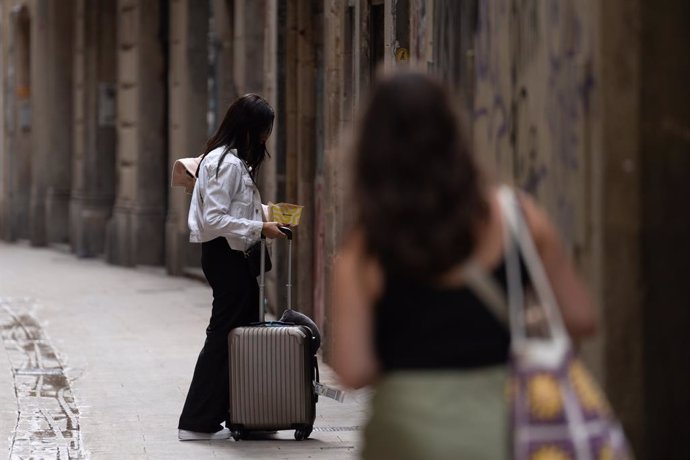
(303, 433)
(237, 434)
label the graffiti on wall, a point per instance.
(493, 88)
(532, 104)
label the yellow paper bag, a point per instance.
(285, 213)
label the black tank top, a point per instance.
(423, 327)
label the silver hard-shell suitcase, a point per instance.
(272, 372)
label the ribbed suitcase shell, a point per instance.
(271, 373)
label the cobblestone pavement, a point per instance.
(96, 360)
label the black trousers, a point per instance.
(235, 303)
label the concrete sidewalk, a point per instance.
(100, 358)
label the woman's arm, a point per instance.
(574, 299)
(357, 283)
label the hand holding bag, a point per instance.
(557, 410)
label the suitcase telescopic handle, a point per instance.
(287, 231)
(262, 278)
(272, 323)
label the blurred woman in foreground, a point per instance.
(405, 321)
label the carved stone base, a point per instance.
(57, 216)
(134, 237)
(88, 222)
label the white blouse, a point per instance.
(227, 204)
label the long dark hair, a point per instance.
(418, 189)
(244, 126)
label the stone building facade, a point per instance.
(582, 103)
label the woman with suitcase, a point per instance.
(405, 320)
(226, 217)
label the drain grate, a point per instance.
(47, 419)
(336, 428)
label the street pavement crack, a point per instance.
(48, 419)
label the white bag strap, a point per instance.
(520, 232)
(494, 297)
(509, 310)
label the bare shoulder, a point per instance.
(355, 263)
(351, 250)
(573, 297)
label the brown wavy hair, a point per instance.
(418, 189)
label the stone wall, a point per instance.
(555, 94)
(664, 224)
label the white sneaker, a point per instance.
(186, 435)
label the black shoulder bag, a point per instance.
(253, 255)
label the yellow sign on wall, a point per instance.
(402, 55)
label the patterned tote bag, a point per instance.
(557, 410)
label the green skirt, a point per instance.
(439, 415)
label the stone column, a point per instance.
(269, 90)
(250, 17)
(51, 73)
(422, 30)
(362, 50)
(187, 117)
(136, 231)
(305, 147)
(93, 176)
(16, 151)
(331, 201)
(389, 34)
(255, 70)
(298, 84)
(255, 67)
(223, 29)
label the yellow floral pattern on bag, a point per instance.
(586, 390)
(544, 396)
(605, 453)
(550, 452)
